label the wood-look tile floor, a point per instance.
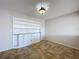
(41, 50)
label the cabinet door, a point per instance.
(35, 37)
(27, 40)
(20, 41)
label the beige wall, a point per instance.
(5, 30)
(6, 18)
(64, 30)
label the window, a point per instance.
(25, 32)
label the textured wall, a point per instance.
(5, 30)
(64, 29)
(6, 18)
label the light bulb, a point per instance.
(42, 11)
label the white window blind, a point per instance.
(25, 32)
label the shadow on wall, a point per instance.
(71, 41)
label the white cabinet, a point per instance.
(22, 40)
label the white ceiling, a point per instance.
(27, 7)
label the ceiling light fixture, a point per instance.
(42, 8)
(42, 11)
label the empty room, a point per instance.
(39, 29)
